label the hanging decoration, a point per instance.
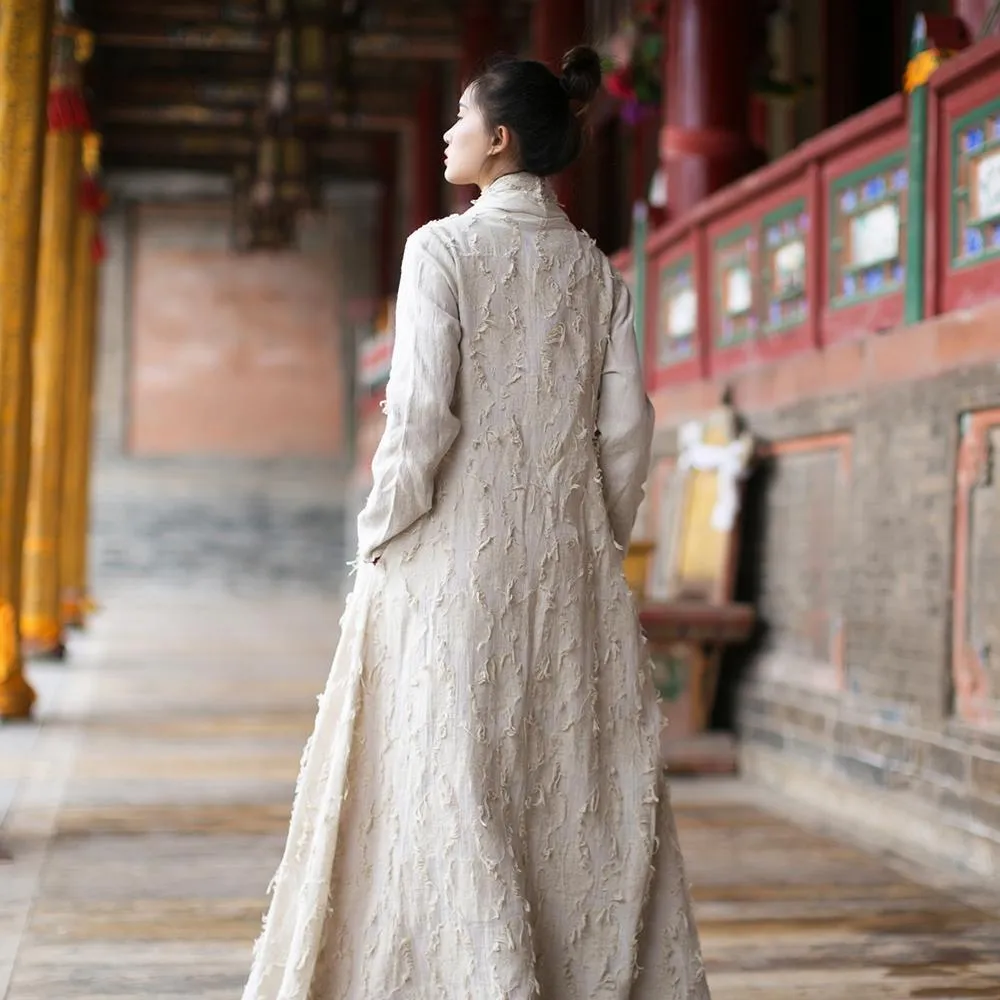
(72, 46)
(632, 62)
(93, 197)
(310, 80)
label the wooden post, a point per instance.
(640, 225)
(25, 40)
(916, 198)
(76, 601)
(556, 26)
(705, 140)
(41, 618)
(428, 150)
(388, 226)
(482, 35)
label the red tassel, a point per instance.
(67, 111)
(98, 250)
(92, 197)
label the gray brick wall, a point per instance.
(880, 552)
(801, 548)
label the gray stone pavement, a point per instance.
(146, 813)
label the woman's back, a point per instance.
(521, 384)
(534, 302)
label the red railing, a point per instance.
(812, 249)
(963, 181)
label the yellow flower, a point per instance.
(920, 69)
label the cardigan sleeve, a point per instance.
(624, 420)
(421, 425)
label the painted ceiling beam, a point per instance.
(223, 38)
(225, 145)
(197, 101)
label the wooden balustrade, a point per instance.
(812, 249)
(963, 247)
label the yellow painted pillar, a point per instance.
(41, 614)
(80, 357)
(25, 39)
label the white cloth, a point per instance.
(730, 463)
(481, 805)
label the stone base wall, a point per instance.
(237, 524)
(871, 548)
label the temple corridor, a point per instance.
(203, 208)
(146, 813)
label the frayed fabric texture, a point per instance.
(480, 811)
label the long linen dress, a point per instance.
(480, 813)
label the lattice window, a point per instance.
(868, 232)
(736, 256)
(783, 276)
(975, 151)
(677, 324)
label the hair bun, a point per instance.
(581, 73)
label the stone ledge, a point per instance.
(889, 820)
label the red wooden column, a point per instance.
(705, 139)
(556, 26)
(482, 34)
(428, 149)
(388, 226)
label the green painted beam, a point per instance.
(916, 201)
(640, 229)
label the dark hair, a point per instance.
(542, 110)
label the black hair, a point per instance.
(541, 110)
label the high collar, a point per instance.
(519, 192)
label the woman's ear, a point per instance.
(501, 140)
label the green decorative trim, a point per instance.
(734, 236)
(962, 194)
(791, 210)
(890, 162)
(916, 207)
(787, 296)
(773, 329)
(640, 227)
(678, 266)
(724, 343)
(985, 220)
(975, 115)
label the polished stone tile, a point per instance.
(148, 812)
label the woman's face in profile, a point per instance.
(467, 144)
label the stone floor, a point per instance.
(145, 817)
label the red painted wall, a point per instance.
(230, 355)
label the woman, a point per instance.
(481, 814)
